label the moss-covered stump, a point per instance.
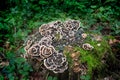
(64, 50)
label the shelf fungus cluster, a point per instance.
(48, 43)
(44, 51)
(56, 62)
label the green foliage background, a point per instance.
(18, 18)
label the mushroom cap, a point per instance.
(46, 41)
(44, 30)
(71, 33)
(72, 25)
(57, 24)
(34, 50)
(28, 44)
(56, 62)
(87, 46)
(84, 35)
(49, 64)
(31, 40)
(62, 68)
(59, 59)
(40, 51)
(51, 28)
(46, 51)
(56, 29)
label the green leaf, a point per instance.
(55, 78)
(85, 77)
(93, 6)
(10, 55)
(42, 2)
(55, 1)
(11, 76)
(101, 9)
(107, 1)
(50, 78)
(20, 60)
(1, 77)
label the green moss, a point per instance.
(92, 58)
(69, 59)
(89, 58)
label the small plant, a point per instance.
(52, 78)
(17, 66)
(1, 77)
(116, 29)
(85, 77)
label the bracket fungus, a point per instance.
(72, 25)
(34, 50)
(64, 47)
(48, 43)
(87, 46)
(45, 51)
(84, 35)
(56, 62)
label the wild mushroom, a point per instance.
(31, 40)
(58, 61)
(72, 25)
(28, 44)
(40, 51)
(58, 24)
(46, 51)
(56, 28)
(84, 35)
(71, 32)
(34, 50)
(51, 29)
(49, 64)
(62, 68)
(46, 41)
(87, 46)
(44, 30)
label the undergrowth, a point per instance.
(93, 59)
